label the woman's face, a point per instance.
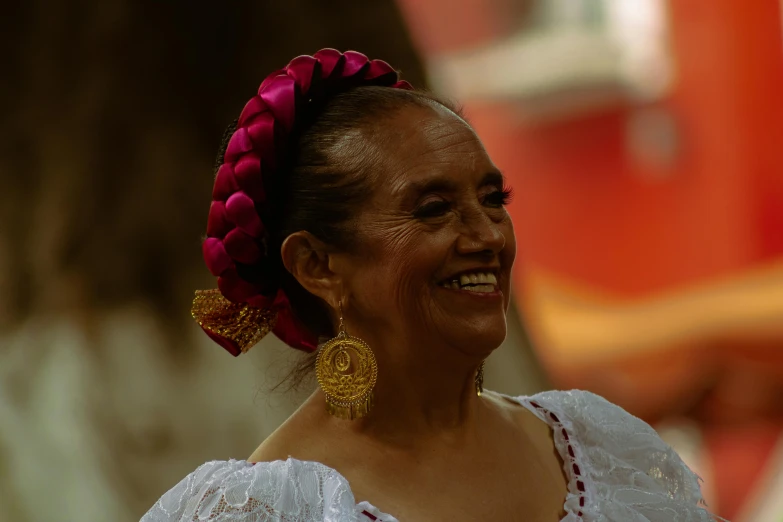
(434, 244)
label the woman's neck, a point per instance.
(421, 391)
(419, 404)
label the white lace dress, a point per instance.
(618, 470)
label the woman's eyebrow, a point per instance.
(438, 184)
(446, 184)
(493, 178)
(413, 189)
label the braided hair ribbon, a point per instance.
(240, 312)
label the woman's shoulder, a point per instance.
(617, 461)
(611, 439)
(596, 422)
(281, 490)
(585, 409)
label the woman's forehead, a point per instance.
(432, 144)
(431, 129)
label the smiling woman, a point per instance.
(364, 221)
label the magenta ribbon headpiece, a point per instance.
(240, 312)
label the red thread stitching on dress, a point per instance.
(580, 485)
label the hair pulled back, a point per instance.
(325, 179)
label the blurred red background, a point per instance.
(651, 262)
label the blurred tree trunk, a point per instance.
(112, 113)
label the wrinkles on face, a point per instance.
(433, 211)
(390, 237)
(449, 143)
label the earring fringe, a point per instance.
(479, 380)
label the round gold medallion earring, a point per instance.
(346, 370)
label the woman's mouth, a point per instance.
(479, 282)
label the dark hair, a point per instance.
(325, 178)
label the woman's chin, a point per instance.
(476, 338)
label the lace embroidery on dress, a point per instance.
(618, 468)
(238, 491)
(372, 513)
(576, 498)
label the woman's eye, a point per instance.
(432, 209)
(498, 198)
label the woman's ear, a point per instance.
(307, 258)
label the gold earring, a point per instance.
(346, 371)
(479, 380)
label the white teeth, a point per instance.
(477, 281)
(482, 289)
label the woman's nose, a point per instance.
(480, 233)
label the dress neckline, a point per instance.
(563, 443)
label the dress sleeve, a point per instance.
(629, 472)
(239, 491)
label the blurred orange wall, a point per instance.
(588, 209)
